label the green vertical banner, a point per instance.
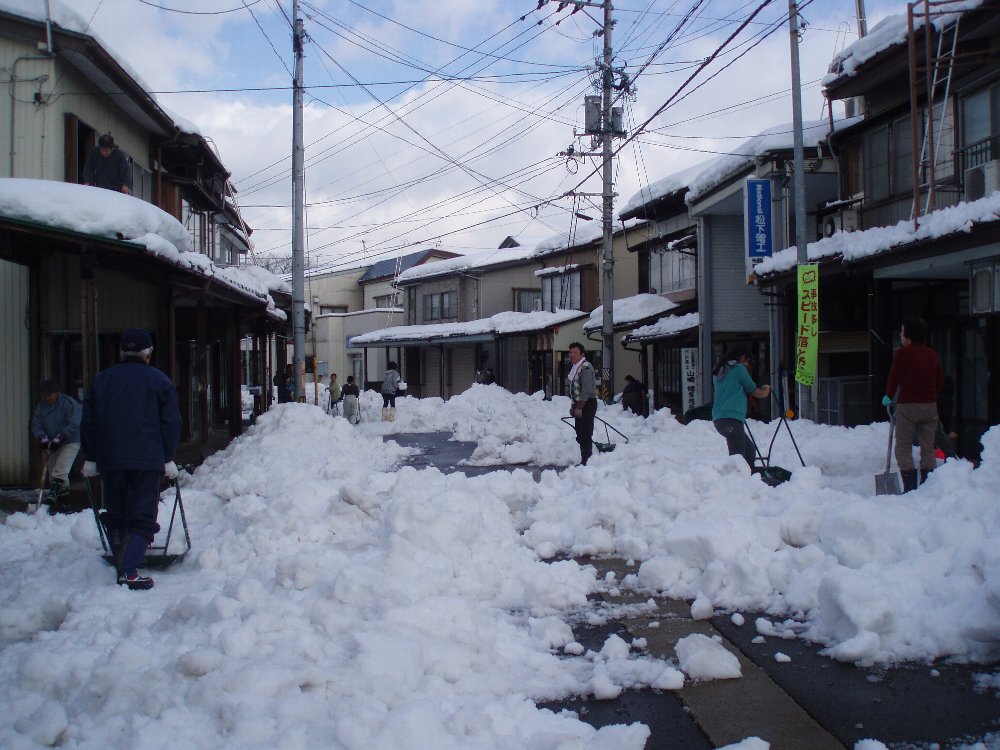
(807, 338)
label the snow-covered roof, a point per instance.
(702, 178)
(116, 216)
(668, 326)
(889, 32)
(631, 310)
(663, 187)
(557, 243)
(64, 17)
(501, 324)
(853, 246)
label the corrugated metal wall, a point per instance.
(736, 305)
(15, 386)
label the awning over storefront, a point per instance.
(664, 328)
(470, 332)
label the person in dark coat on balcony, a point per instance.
(108, 167)
(131, 429)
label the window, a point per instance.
(441, 306)
(432, 307)
(888, 154)
(562, 291)
(385, 300)
(411, 305)
(329, 309)
(449, 305)
(527, 300)
(672, 270)
(980, 127)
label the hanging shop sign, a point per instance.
(807, 336)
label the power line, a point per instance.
(196, 12)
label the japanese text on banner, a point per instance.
(807, 335)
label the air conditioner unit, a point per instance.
(845, 220)
(982, 180)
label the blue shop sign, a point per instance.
(759, 237)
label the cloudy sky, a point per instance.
(439, 123)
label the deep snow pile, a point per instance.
(329, 602)
(336, 600)
(875, 578)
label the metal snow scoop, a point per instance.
(888, 483)
(608, 446)
(157, 556)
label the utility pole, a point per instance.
(298, 212)
(806, 406)
(603, 122)
(608, 194)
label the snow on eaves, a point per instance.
(631, 310)
(853, 246)
(668, 326)
(888, 32)
(105, 213)
(504, 323)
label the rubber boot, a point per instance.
(924, 473)
(392, 413)
(132, 555)
(385, 414)
(909, 477)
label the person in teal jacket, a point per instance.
(732, 382)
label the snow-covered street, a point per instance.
(334, 599)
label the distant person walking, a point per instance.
(732, 382)
(917, 377)
(351, 395)
(335, 393)
(131, 429)
(108, 167)
(284, 382)
(390, 385)
(582, 386)
(55, 425)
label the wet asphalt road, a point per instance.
(911, 707)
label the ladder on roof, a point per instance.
(938, 70)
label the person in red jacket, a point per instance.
(917, 378)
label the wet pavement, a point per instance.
(810, 702)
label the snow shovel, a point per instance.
(888, 483)
(771, 475)
(43, 489)
(157, 556)
(606, 447)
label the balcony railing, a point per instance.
(978, 153)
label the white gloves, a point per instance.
(170, 470)
(90, 469)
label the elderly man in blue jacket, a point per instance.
(55, 426)
(131, 429)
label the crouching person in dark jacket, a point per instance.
(131, 429)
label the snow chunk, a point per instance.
(701, 658)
